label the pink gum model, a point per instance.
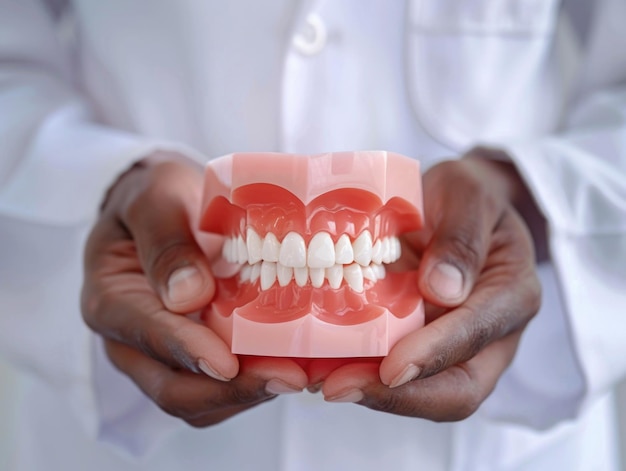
(309, 237)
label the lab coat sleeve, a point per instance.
(578, 178)
(55, 163)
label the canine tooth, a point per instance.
(321, 253)
(254, 244)
(368, 273)
(271, 248)
(317, 276)
(353, 275)
(244, 274)
(268, 274)
(396, 250)
(335, 275)
(362, 247)
(293, 251)
(255, 272)
(242, 250)
(343, 250)
(377, 252)
(284, 274)
(386, 250)
(227, 248)
(301, 274)
(379, 271)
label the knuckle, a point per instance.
(465, 247)
(247, 395)
(167, 255)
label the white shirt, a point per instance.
(426, 79)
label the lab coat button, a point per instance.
(312, 38)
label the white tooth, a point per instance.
(255, 272)
(396, 249)
(268, 274)
(386, 250)
(301, 275)
(271, 248)
(242, 251)
(377, 252)
(227, 249)
(293, 251)
(335, 276)
(245, 273)
(343, 250)
(233, 256)
(379, 271)
(353, 275)
(362, 247)
(285, 274)
(321, 253)
(317, 277)
(254, 245)
(368, 273)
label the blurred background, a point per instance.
(9, 395)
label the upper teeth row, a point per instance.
(322, 252)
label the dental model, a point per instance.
(307, 238)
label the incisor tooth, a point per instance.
(321, 252)
(368, 273)
(335, 276)
(284, 274)
(343, 250)
(292, 251)
(271, 248)
(362, 247)
(245, 273)
(301, 275)
(379, 271)
(254, 245)
(317, 277)
(242, 251)
(268, 274)
(255, 272)
(353, 275)
(377, 252)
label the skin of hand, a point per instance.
(143, 272)
(477, 275)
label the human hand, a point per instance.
(144, 270)
(477, 273)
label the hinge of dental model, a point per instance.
(270, 260)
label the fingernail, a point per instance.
(184, 284)
(208, 370)
(352, 395)
(446, 281)
(408, 374)
(315, 388)
(277, 386)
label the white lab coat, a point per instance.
(544, 79)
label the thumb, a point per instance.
(158, 218)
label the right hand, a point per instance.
(144, 270)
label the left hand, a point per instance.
(477, 275)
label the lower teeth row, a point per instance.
(271, 272)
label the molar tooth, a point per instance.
(242, 251)
(379, 271)
(362, 247)
(271, 248)
(293, 251)
(301, 274)
(255, 272)
(369, 274)
(317, 277)
(284, 274)
(254, 245)
(268, 274)
(386, 250)
(396, 249)
(343, 250)
(354, 276)
(377, 252)
(321, 253)
(335, 275)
